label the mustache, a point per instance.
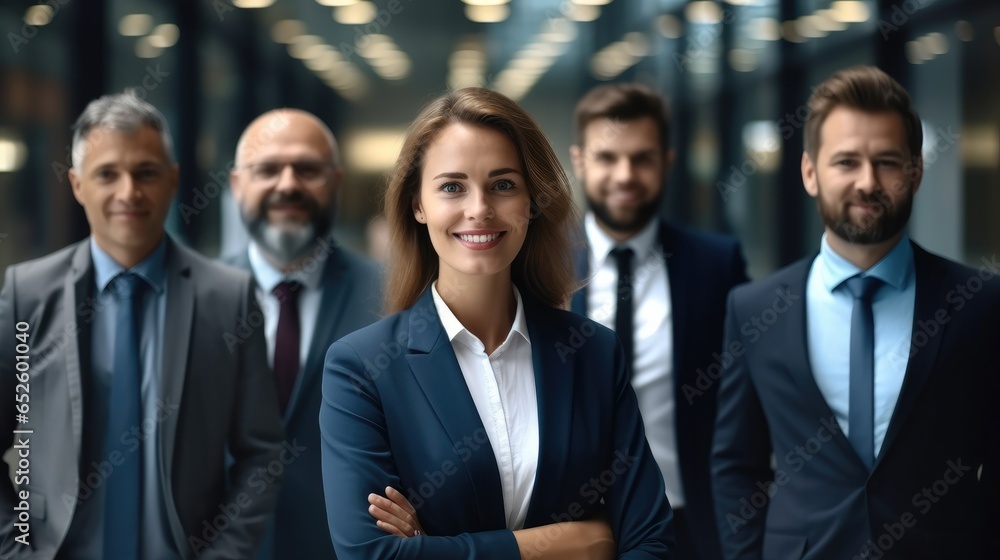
(295, 197)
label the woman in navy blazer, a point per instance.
(480, 212)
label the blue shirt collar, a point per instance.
(152, 268)
(893, 269)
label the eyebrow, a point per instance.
(851, 153)
(460, 175)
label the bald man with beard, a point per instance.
(312, 292)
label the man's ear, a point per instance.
(576, 156)
(809, 175)
(917, 174)
(75, 183)
(236, 184)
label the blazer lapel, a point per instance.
(554, 388)
(77, 290)
(176, 341)
(931, 291)
(433, 363)
(581, 257)
(337, 287)
(681, 291)
(796, 355)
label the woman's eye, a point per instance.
(450, 188)
(503, 185)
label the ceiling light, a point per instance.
(915, 52)
(584, 13)
(487, 14)
(336, 3)
(743, 60)
(286, 30)
(40, 14)
(13, 152)
(356, 14)
(935, 43)
(252, 4)
(135, 25)
(300, 46)
(636, 44)
(826, 21)
(373, 150)
(165, 35)
(849, 11)
(765, 29)
(669, 26)
(592, 2)
(703, 11)
(808, 26)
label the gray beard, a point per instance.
(286, 244)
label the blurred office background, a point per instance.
(736, 72)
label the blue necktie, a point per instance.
(623, 312)
(123, 494)
(861, 407)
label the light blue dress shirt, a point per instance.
(85, 538)
(828, 324)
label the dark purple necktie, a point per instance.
(286, 342)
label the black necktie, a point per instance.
(623, 313)
(123, 495)
(861, 407)
(286, 341)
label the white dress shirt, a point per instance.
(828, 324)
(653, 336)
(503, 388)
(310, 298)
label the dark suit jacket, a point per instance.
(214, 367)
(924, 497)
(701, 269)
(351, 300)
(397, 411)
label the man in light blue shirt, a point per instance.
(144, 374)
(856, 419)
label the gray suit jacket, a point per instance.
(214, 368)
(351, 300)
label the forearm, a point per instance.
(575, 540)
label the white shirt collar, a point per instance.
(268, 276)
(455, 330)
(642, 243)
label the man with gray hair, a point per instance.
(286, 181)
(132, 399)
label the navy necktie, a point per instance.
(287, 340)
(861, 407)
(623, 313)
(123, 494)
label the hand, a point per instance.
(394, 514)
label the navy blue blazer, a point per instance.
(396, 411)
(701, 269)
(925, 496)
(351, 299)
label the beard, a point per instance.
(625, 224)
(889, 218)
(288, 242)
